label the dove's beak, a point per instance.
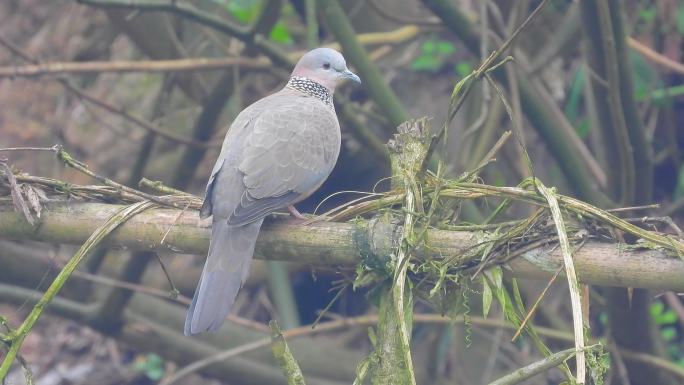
(352, 76)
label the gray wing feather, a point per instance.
(251, 209)
(290, 151)
(231, 144)
(207, 206)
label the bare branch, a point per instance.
(166, 133)
(178, 65)
(334, 244)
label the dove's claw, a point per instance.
(295, 213)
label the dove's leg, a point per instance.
(295, 213)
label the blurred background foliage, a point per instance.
(599, 109)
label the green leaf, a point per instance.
(493, 276)
(445, 48)
(656, 309)
(433, 55)
(244, 11)
(497, 276)
(440, 280)
(429, 46)
(486, 297)
(667, 318)
(572, 104)
(463, 68)
(372, 336)
(680, 19)
(644, 77)
(661, 95)
(518, 298)
(154, 359)
(281, 34)
(426, 63)
(456, 93)
(668, 334)
(155, 374)
(648, 14)
(582, 128)
(151, 364)
(362, 371)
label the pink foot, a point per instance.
(293, 211)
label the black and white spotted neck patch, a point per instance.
(312, 88)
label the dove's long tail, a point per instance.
(227, 266)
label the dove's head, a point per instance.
(325, 66)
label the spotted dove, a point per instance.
(277, 152)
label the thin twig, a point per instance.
(182, 201)
(462, 89)
(532, 310)
(367, 320)
(177, 65)
(666, 220)
(162, 188)
(163, 132)
(152, 291)
(73, 163)
(553, 360)
(633, 208)
(48, 149)
(180, 8)
(656, 57)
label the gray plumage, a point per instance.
(276, 153)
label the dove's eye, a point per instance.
(326, 66)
